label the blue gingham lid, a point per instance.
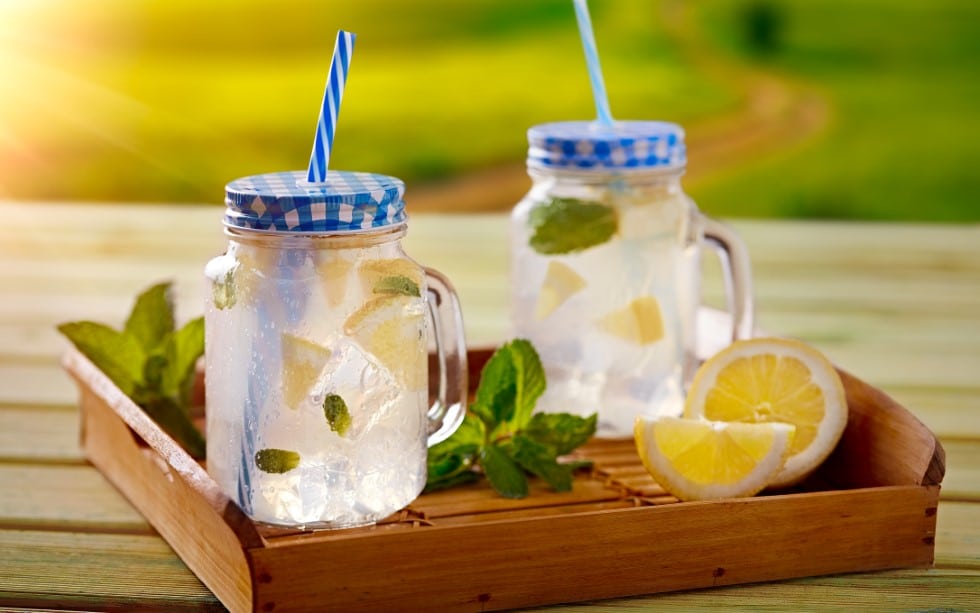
(587, 145)
(287, 202)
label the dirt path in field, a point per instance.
(776, 114)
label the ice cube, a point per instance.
(367, 390)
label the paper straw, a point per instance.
(326, 124)
(604, 116)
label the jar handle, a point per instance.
(449, 408)
(737, 272)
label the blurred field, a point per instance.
(860, 109)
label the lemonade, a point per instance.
(318, 411)
(614, 324)
(282, 371)
(605, 269)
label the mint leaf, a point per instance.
(173, 419)
(152, 317)
(276, 460)
(450, 461)
(540, 460)
(397, 284)
(451, 480)
(565, 225)
(153, 371)
(118, 355)
(560, 431)
(530, 380)
(182, 350)
(149, 362)
(337, 414)
(470, 432)
(500, 434)
(495, 397)
(510, 385)
(503, 473)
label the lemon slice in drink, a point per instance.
(375, 273)
(560, 284)
(638, 322)
(695, 459)
(333, 271)
(775, 380)
(302, 362)
(389, 327)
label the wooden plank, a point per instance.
(38, 434)
(962, 480)
(96, 572)
(71, 498)
(898, 590)
(523, 566)
(949, 412)
(33, 384)
(958, 535)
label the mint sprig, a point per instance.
(566, 225)
(501, 436)
(150, 361)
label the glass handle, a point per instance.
(737, 271)
(449, 408)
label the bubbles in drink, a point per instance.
(319, 393)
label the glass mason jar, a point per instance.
(317, 382)
(605, 270)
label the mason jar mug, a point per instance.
(317, 382)
(605, 269)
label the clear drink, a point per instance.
(605, 266)
(317, 375)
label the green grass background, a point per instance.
(166, 101)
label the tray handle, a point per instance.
(884, 444)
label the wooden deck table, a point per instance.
(896, 304)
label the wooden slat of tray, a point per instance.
(615, 534)
(532, 561)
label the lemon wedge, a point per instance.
(560, 284)
(695, 459)
(373, 272)
(333, 270)
(390, 327)
(775, 380)
(302, 362)
(639, 322)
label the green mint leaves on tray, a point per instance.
(566, 225)
(150, 361)
(502, 436)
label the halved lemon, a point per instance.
(775, 380)
(390, 327)
(560, 284)
(639, 322)
(302, 362)
(694, 459)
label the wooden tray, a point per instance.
(871, 506)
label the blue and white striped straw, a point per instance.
(603, 115)
(326, 124)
